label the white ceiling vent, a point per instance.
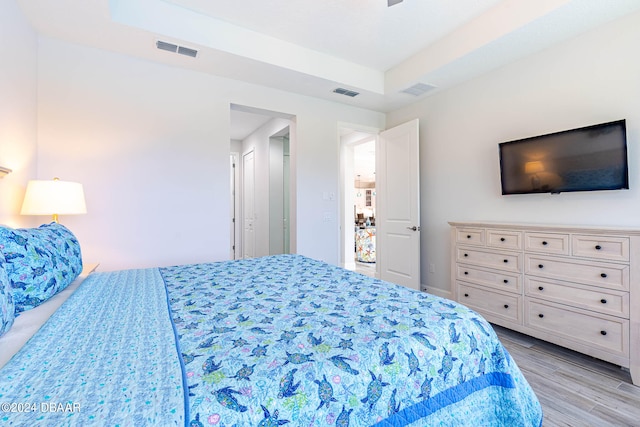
(347, 92)
(418, 89)
(170, 47)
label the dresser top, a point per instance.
(567, 228)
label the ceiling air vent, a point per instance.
(343, 91)
(418, 89)
(167, 46)
(170, 47)
(187, 51)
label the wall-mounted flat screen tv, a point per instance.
(584, 159)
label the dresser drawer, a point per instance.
(504, 239)
(470, 236)
(613, 276)
(608, 301)
(601, 247)
(508, 261)
(548, 243)
(604, 332)
(491, 304)
(494, 278)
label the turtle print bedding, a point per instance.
(39, 262)
(280, 340)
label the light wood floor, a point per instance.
(368, 269)
(574, 389)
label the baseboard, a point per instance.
(436, 291)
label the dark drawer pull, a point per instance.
(468, 236)
(466, 295)
(598, 247)
(540, 288)
(466, 255)
(502, 239)
(603, 275)
(603, 332)
(540, 266)
(604, 301)
(505, 261)
(544, 243)
(466, 273)
(505, 281)
(541, 315)
(506, 306)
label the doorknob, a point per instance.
(414, 228)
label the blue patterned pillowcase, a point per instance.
(7, 308)
(39, 262)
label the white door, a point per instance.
(398, 193)
(248, 205)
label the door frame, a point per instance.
(236, 239)
(244, 206)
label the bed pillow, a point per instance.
(7, 308)
(40, 262)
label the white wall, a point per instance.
(18, 111)
(150, 143)
(591, 79)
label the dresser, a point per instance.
(578, 287)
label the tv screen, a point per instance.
(584, 159)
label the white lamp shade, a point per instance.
(53, 197)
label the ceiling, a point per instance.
(311, 47)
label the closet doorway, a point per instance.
(264, 222)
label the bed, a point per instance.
(262, 342)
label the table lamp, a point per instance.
(53, 197)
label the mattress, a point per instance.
(262, 342)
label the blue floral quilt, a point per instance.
(282, 340)
(290, 340)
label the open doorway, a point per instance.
(397, 212)
(358, 163)
(263, 142)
